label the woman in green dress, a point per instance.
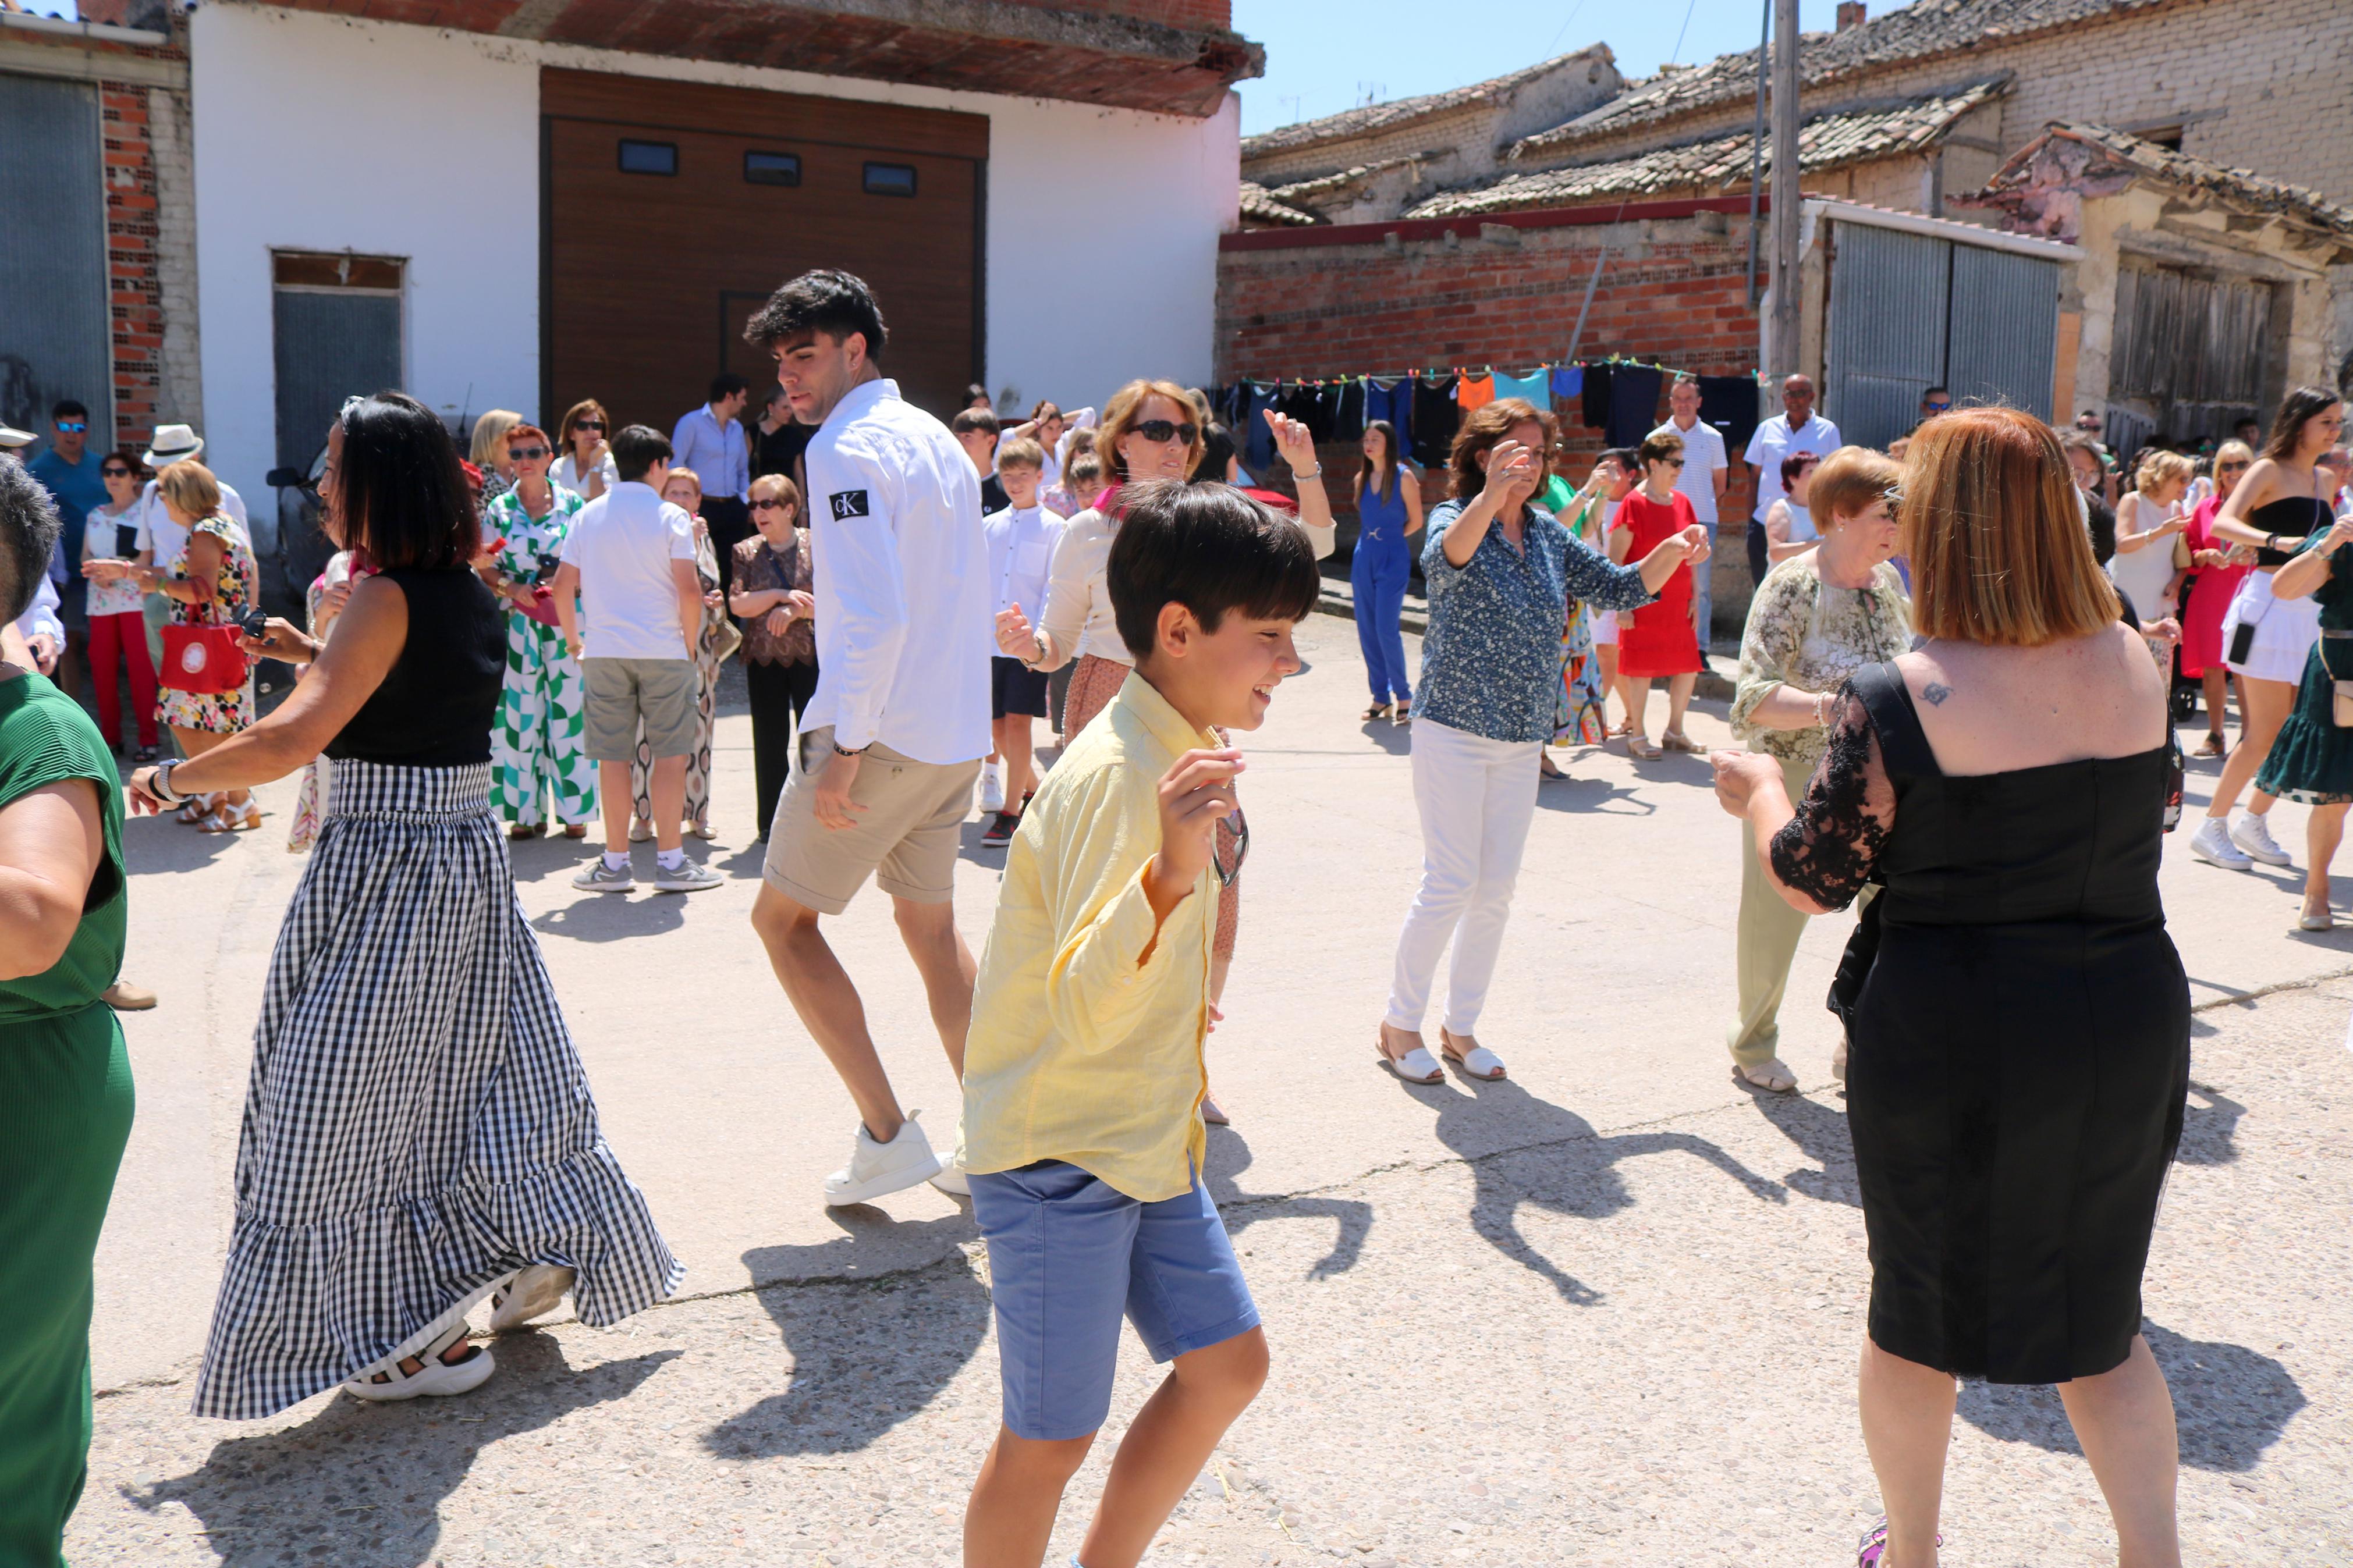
(65, 1082)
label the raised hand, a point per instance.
(1194, 795)
(1292, 440)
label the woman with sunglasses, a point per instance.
(118, 622)
(1662, 637)
(585, 468)
(2219, 566)
(537, 760)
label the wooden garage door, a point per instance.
(673, 210)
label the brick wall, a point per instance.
(136, 286)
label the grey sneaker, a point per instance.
(601, 879)
(690, 877)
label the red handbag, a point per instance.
(204, 659)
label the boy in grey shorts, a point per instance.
(629, 559)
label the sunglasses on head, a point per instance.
(1162, 430)
(526, 454)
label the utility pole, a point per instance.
(1785, 305)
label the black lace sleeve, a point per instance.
(1827, 849)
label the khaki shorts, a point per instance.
(661, 691)
(906, 838)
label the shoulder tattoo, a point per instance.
(1936, 691)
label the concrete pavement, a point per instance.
(1631, 1334)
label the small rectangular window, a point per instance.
(772, 168)
(889, 180)
(648, 157)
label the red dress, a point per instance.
(1658, 639)
(2201, 621)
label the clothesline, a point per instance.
(1543, 367)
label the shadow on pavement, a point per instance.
(2230, 1402)
(1820, 1132)
(616, 916)
(1230, 1156)
(1391, 736)
(2208, 1128)
(1589, 795)
(366, 1482)
(867, 1354)
(159, 844)
(536, 860)
(1555, 1162)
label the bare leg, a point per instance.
(2125, 1420)
(2263, 708)
(669, 786)
(822, 994)
(947, 968)
(1610, 684)
(613, 791)
(2322, 834)
(1638, 707)
(1011, 1515)
(1907, 1423)
(2217, 683)
(1679, 696)
(1171, 1440)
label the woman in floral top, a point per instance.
(1500, 574)
(537, 755)
(1816, 620)
(775, 597)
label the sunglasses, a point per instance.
(72, 427)
(587, 424)
(1162, 430)
(1227, 873)
(1670, 462)
(114, 473)
(526, 454)
(771, 505)
(1937, 407)
(2231, 468)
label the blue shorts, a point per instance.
(1067, 1255)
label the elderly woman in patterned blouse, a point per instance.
(1816, 618)
(1499, 569)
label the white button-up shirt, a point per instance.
(1021, 542)
(716, 451)
(1703, 460)
(905, 623)
(1775, 440)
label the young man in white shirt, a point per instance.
(630, 560)
(712, 441)
(1797, 428)
(892, 739)
(1703, 480)
(1021, 540)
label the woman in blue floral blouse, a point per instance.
(1498, 571)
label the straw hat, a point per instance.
(172, 442)
(12, 436)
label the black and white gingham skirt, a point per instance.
(418, 1125)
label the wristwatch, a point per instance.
(162, 783)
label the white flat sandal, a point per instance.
(1478, 1062)
(1416, 1065)
(387, 1381)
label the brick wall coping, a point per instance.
(103, 31)
(1942, 229)
(1469, 227)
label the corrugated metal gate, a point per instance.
(1909, 311)
(54, 322)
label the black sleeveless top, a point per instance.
(2290, 518)
(437, 701)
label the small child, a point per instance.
(1083, 1075)
(1021, 539)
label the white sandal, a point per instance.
(1416, 1065)
(1478, 1062)
(388, 1380)
(1772, 1077)
(533, 1291)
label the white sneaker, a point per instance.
(876, 1169)
(2212, 842)
(2254, 835)
(951, 1180)
(992, 787)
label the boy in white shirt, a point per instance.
(1021, 543)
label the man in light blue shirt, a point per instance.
(711, 440)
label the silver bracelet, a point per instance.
(1313, 473)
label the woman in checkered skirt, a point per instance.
(418, 1133)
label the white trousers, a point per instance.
(1476, 797)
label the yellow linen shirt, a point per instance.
(1077, 1051)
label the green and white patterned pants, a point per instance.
(537, 750)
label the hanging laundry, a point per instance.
(1258, 446)
(1436, 417)
(1729, 403)
(1594, 398)
(1534, 390)
(1633, 403)
(1303, 401)
(1343, 409)
(1475, 392)
(1567, 380)
(1392, 401)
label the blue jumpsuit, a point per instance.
(1383, 562)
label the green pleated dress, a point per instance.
(2312, 761)
(65, 1114)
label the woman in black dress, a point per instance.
(2019, 1020)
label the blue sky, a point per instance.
(1325, 56)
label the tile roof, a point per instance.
(1259, 206)
(1922, 30)
(1350, 123)
(2116, 153)
(1825, 141)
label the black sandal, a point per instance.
(1378, 710)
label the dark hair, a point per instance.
(1629, 459)
(1038, 411)
(400, 495)
(64, 406)
(1657, 448)
(1379, 477)
(835, 303)
(1795, 464)
(1483, 429)
(2296, 410)
(1218, 449)
(968, 420)
(1929, 392)
(128, 455)
(727, 383)
(1209, 548)
(636, 449)
(28, 536)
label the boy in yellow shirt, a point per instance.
(1084, 1076)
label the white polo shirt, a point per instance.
(1774, 441)
(1021, 542)
(905, 603)
(1703, 460)
(155, 530)
(622, 544)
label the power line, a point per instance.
(1556, 38)
(1677, 52)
